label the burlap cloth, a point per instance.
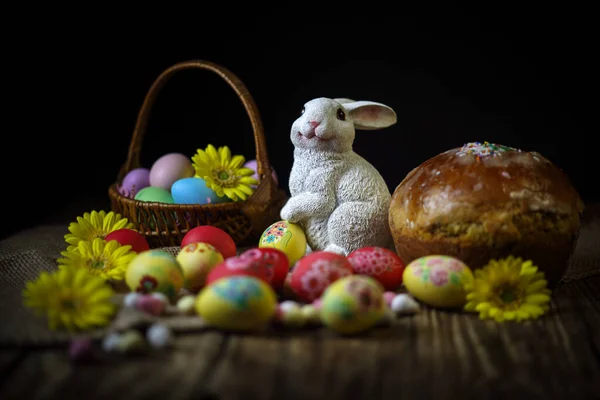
(25, 255)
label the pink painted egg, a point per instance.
(315, 272)
(379, 263)
(274, 261)
(234, 266)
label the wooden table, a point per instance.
(431, 355)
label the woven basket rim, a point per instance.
(153, 205)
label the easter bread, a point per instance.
(483, 201)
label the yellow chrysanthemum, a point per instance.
(95, 225)
(508, 289)
(109, 260)
(224, 174)
(71, 298)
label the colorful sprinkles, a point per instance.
(484, 149)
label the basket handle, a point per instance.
(133, 157)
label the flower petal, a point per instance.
(537, 298)
(246, 180)
(245, 172)
(108, 222)
(246, 189)
(95, 219)
(483, 307)
(240, 194)
(537, 286)
(224, 155)
(201, 158)
(229, 193)
(211, 152)
(236, 162)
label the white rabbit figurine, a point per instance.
(338, 198)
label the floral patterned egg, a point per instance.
(196, 261)
(237, 303)
(316, 271)
(353, 304)
(379, 263)
(286, 237)
(154, 271)
(437, 280)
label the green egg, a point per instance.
(154, 194)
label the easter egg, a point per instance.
(437, 280)
(234, 266)
(194, 191)
(314, 272)
(237, 303)
(211, 235)
(196, 261)
(154, 194)
(275, 262)
(154, 271)
(134, 181)
(286, 237)
(129, 237)
(353, 304)
(170, 168)
(253, 165)
(379, 263)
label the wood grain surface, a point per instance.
(432, 355)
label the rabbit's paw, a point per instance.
(289, 212)
(334, 248)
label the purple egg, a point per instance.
(253, 166)
(170, 168)
(134, 181)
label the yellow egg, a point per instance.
(237, 303)
(286, 237)
(437, 280)
(196, 261)
(154, 271)
(352, 304)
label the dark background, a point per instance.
(520, 79)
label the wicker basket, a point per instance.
(166, 224)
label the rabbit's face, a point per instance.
(323, 125)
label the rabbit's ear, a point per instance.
(344, 100)
(368, 115)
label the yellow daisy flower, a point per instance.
(71, 298)
(224, 174)
(108, 260)
(508, 289)
(95, 225)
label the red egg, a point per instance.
(129, 237)
(211, 235)
(275, 262)
(314, 272)
(238, 266)
(379, 263)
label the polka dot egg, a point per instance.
(437, 280)
(237, 303)
(379, 263)
(154, 271)
(353, 304)
(286, 237)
